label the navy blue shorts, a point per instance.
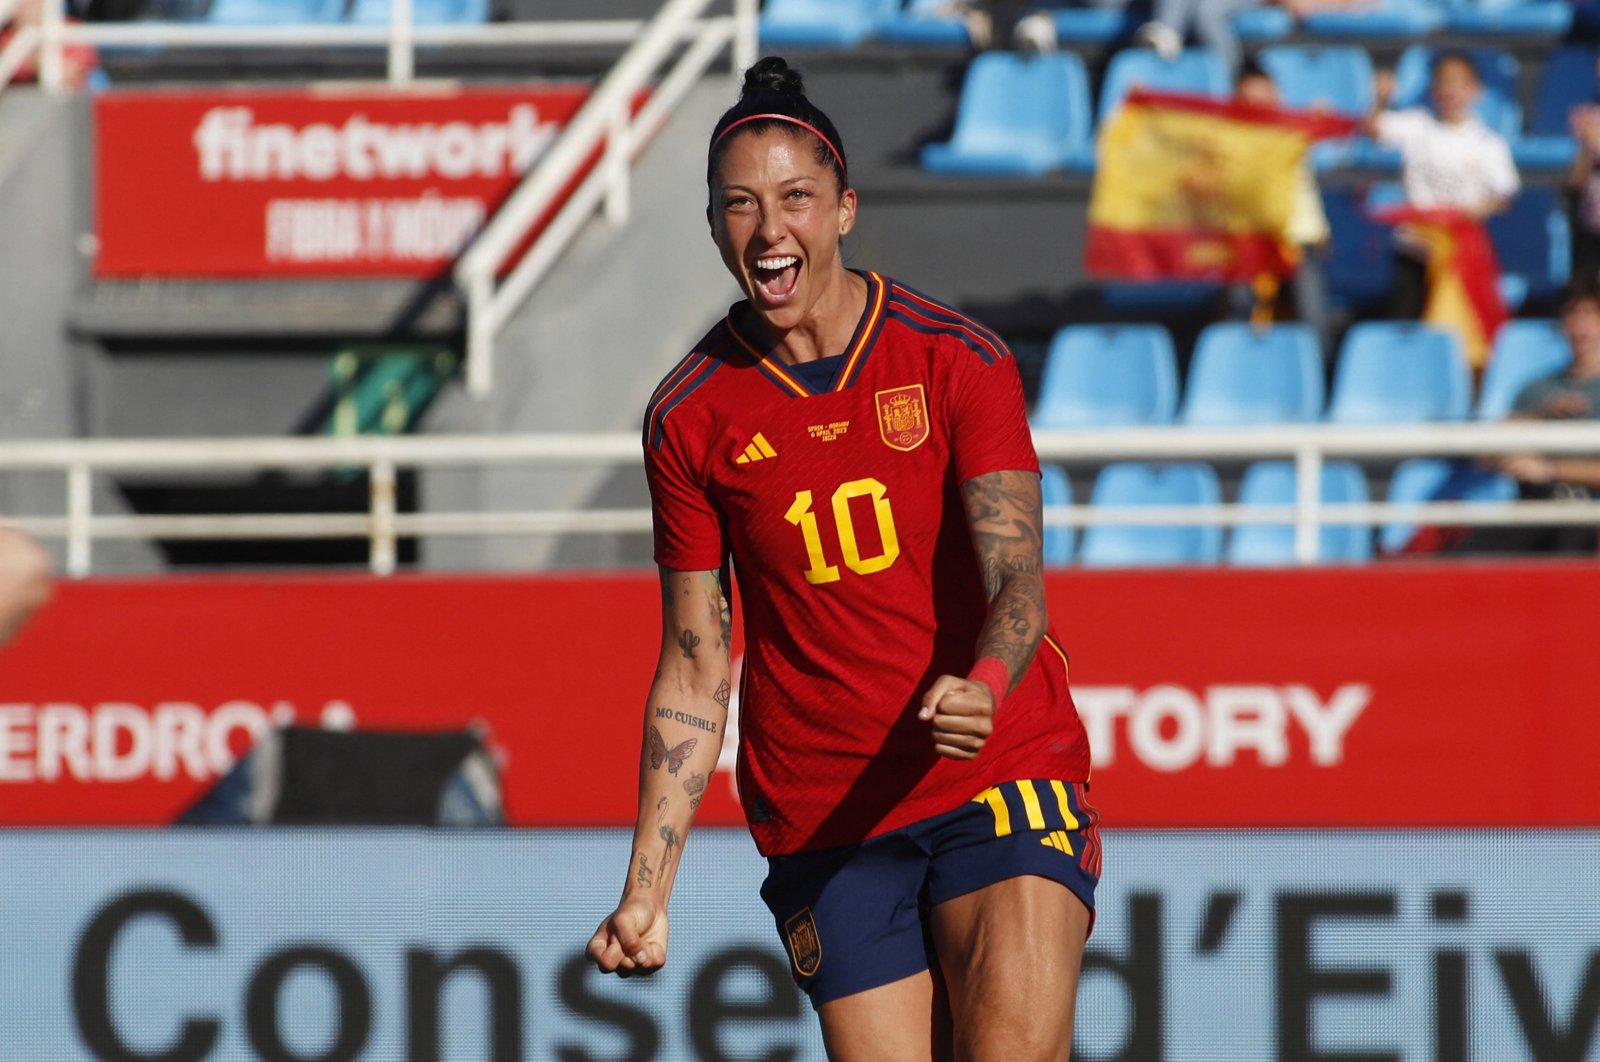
(855, 917)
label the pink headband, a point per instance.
(807, 126)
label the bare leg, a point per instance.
(1011, 955)
(903, 1021)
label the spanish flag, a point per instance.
(1202, 189)
(1463, 275)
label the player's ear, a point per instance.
(847, 211)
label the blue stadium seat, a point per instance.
(1498, 18)
(925, 22)
(1198, 71)
(1098, 376)
(1265, 22)
(1244, 375)
(425, 12)
(823, 23)
(1386, 18)
(1399, 372)
(1059, 540)
(274, 12)
(1360, 263)
(1524, 351)
(1533, 242)
(1095, 23)
(1497, 69)
(1566, 80)
(1018, 117)
(1424, 479)
(1338, 77)
(1133, 545)
(1273, 483)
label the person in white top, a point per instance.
(1449, 160)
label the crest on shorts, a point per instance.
(805, 949)
(903, 417)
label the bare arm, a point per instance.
(24, 580)
(685, 717)
(1542, 468)
(1005, 515)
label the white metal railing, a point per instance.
(400, 38)
(606, 121)
(382, 457)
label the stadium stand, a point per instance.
(1019, 116)
(1533, 243)
(1137, 484)
(1195, 70)
(822, 23)
(1243, 375)
(1383, 20)
(1498, 18)
(1423, 479)
(1106, 377)
(1273, 483)
(1523, 352)
(1263, 23)
(274, 12)
(925, 22)
(1089, 25)
(1360, 262)
(1335, 77)
(1059, 541)
(1399, 372)
(424, 12)
(1566, 80)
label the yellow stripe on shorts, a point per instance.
(1030, 803)
(997, 804)
(1066, 809)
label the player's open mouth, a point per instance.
(777, 277)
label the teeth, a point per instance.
(777, 263)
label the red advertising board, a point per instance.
(1406, 695)
(371, 182)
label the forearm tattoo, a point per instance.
(687, 641)
(695, 786)
(1005, 513)
(644, 874)
(723, 695)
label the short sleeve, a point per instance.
(685, 521)
(1501, 170)
(1531, 399)
(989, 418)
(1399, 128)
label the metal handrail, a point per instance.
(605, 122)
(382, 457)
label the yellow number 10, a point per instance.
(820, 571)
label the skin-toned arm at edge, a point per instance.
(685, 718)
(1005, 515)
(24, 580)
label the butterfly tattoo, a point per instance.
(673, 756)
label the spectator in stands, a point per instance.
(1449, 160)
(1308, 232)
(1572, 394)
(1584, 184)
(24, 580)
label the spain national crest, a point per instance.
(903, 417)
(805, 949)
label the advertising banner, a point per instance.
(417, 946)
(368, 182)
(1404, 695)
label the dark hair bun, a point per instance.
(772, 77)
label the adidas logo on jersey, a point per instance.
(1058, 840)
(758, 450)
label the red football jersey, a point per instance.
(857, 576)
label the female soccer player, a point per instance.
(911, 762)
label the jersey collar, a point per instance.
(860, 345)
